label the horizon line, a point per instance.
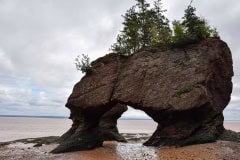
(66, 117)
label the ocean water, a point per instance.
(12, 128)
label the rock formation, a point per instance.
(184, 90)
(107, 124)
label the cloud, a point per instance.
(40, 40)
(19, 96)
(38, 44)
(232, 111)
(6, 64)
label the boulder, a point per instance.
(184, 90)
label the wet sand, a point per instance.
(15, 128)
(221, 150)
(232, 125)
(12, 128)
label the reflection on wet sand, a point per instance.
(118, 151)
(124, 151)
(136, 151)
(112, 150)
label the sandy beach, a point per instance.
(135, 131)
(221, 150)
(13, 128)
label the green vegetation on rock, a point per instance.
(191, 29)
(186, 89)
(146, 26)
(143, 26)
(83, 64)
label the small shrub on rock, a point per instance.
(83, 64)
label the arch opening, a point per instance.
(135, 125)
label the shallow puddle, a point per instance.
(119, 151)
(128, 151)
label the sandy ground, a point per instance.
(17, 128)
(221, 150)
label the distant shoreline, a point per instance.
(61, 117)
(65, 117)
(24, 116)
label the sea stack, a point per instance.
(184, 90)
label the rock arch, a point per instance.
(183, 90)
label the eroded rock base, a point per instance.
(83, 140)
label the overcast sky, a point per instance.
(39, 40)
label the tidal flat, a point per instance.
(135, 131)
(39, 149)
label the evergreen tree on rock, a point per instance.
(143, 26)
